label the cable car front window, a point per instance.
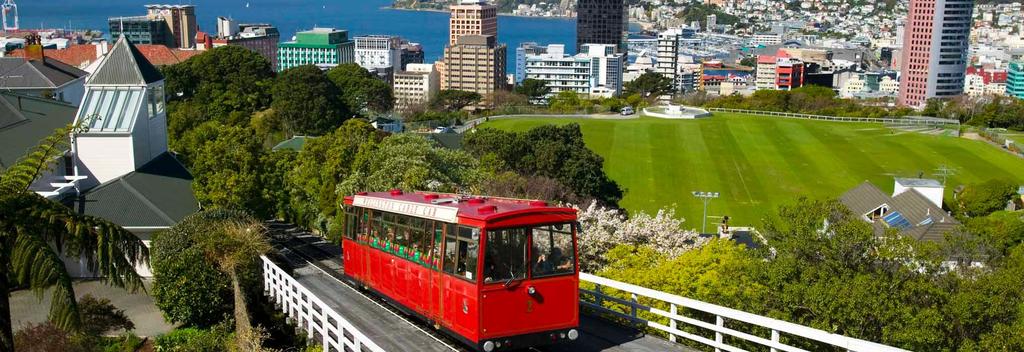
(553, 251)
(505, 260)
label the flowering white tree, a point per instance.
(602, 229)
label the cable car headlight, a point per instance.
(488, 346)
(573, 334)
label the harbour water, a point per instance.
(357, 16)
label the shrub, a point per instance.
(194, 340)
(100, 316)
(47, 337)
(187, 287)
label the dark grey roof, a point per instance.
(927, 221)
(295, 143)
(125, 65)
(24, 120)
(864, 198)
(448, 140)
(157, 194)
(16, 72)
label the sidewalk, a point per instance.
(139, 307)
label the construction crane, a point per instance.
(10, 15)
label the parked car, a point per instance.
(443, 129)
(627, 111)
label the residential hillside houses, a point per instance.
(119, 168)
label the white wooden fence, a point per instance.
(599, 296)
(311, 314)
(898, 121)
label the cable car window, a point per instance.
(469, 239)
(451, 253)
(350, 223)
(505, 258)
(387, 229)
(419, 243)
(375, 224)
(553, 252)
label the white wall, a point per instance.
(105, 157)
(74, 91)
(934, 194)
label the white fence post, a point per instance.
(775, 338)
(718, 334)
(672, 321)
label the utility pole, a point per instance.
(945, 172)
(706, 197)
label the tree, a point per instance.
(360, 89)
(649, 85)
(232, 245)
(603, 229)
(228, 169)
(321, 165)
(984, 198)
(534, 89)
(749, 61)
(35, 232)
(187, 286)
(307, 102)
(567, 102)
(454, 100)
(410, 162)
(102, 316)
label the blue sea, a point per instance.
(357, 16)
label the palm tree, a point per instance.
(231, 245)
(34, 232)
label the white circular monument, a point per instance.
(672, 111)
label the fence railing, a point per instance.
(599, 297)
(311, 314)
(475, 122)
(904, 121)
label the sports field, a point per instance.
(758, 163)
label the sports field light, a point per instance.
(706, 197)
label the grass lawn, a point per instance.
(758, 163)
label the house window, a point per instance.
(156, 101)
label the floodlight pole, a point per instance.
(706, 197)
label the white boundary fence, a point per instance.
(311, 314)
(900, 121)
(722, 316)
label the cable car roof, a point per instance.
(451, 207)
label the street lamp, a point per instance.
(706, 197)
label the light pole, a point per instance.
(706, 197)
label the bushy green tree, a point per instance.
(649, 85)
(307, 102)
(568, 102)
(454, 100)
(187, 285)
(1003, 230)
(323, 163)
(557, 152)
(534, 89)
(984, 198)
(228, 170)
(410, 162)
(360, 89)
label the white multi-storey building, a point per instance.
(416, 85)
(378, 51)
(596, 70)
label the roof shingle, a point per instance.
(125, 65)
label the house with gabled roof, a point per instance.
(41, 76)
(914, 209)
(119, 167)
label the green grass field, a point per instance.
(758, 163)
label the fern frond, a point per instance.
(39, 267)
(40, 158)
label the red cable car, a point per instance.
(495, 273)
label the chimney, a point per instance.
(33, 47)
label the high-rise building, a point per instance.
(1015, 80)
(142, 30)
(524, 50)
(712, 23)
(259, 37)
(765, 72)
(412, 53)
(602, 22)
(382, 53)
(324, 47)
(668, 53)
(416, 85)
(476, 63)
(472, 17)
(596, 71)
(934, 50)
(180, 19)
